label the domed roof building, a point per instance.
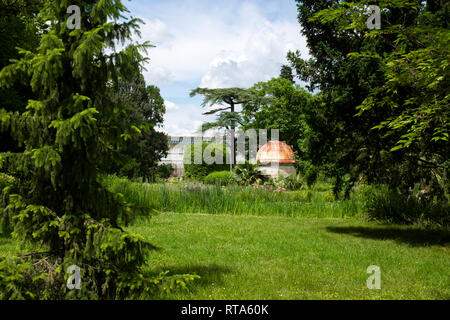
(275, 159)
(275, 151)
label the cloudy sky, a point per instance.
(213, 44)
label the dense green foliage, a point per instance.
(162, 171)
(287, 73)
(415, 73)
(71, 134)
(140, 157)
(6, 181)
(386, 205)
(18, 29)
(283, 183)
(247, 173)
(382, 112)
(283, 106)
(227, 116)
(308, 172)
(196, 153)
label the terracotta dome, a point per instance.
(275, 151)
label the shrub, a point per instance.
(384, 204)
(247, 173)
(201, 170)
(291, 182)
(163, 171)
(220, 178)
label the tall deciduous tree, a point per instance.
(141, 156)
(285, 109)
(416, 81)
(346, 144)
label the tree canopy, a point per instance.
(380, 90)
(284, 107)
(141, 156)
(227, 115)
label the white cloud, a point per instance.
(191, 40)
(213, 44)
(182, 120)
(156, 31)
(181, 126)
(258, 56)
(170, 106)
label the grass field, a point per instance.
(251, 257)
(248, 257)
(256, 244)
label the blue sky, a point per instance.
(213, 43)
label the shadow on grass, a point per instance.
(151, 247)
(413, 237)
(210, 274)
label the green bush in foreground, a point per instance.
(220, 178)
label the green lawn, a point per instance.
(248, 257)
(253, 257)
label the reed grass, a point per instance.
(234, 200)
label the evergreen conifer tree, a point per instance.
(71, 134)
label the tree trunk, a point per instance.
(233, 143)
